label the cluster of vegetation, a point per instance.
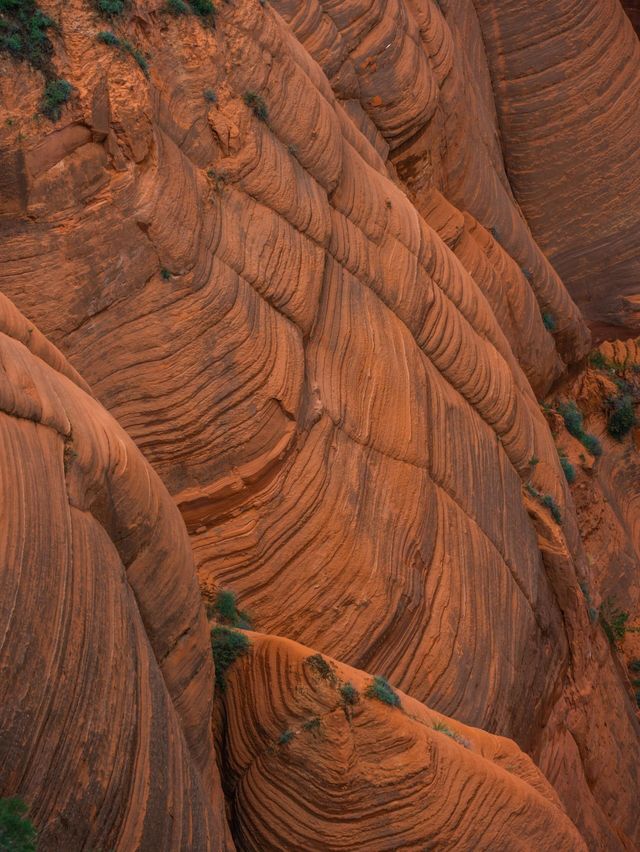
(227, 645)
(547, 501)
(312, 725)
(17, 834)
(257, 105)
(111, 39)
(549, 321)
(621, 415)
(454, 735)
(110, 8)
(614, 621)
(210, 96)
(23, 34)
(321, 667)
(285, 737)
(56, 94)
(202, 8)
(225, 609)
(381, 689)
(567, 467)
(349, 694)
(574, 422)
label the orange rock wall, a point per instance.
(325, 332)
(368, 775)
(565, 76)
(106, 680)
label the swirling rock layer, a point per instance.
(307, 771)
(290, 262)
(565, 77)
(105, 667)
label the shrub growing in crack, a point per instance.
(257, 105)
(227, 645)
(225, 609)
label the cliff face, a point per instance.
(565, 75)
(305, 262)
(107, 678)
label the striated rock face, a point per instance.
(565, 76)
(106, 679)
(293, 265)
(307, 769)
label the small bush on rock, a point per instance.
(110, 8)
(349, 694)
(257, 105)
(622, 416)
(285, 737)
(381, 689)
(17, 834)
(225, 609)
(56, 94)
(227, 645)
(318, 663)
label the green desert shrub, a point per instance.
(549, 321)
(110, 8)
(177, 7)
(569, 469)
(285, 737)
(545, 500)
(227, 645)
(107, 37)
(203, 7)
(56, 95)
(312, 725)
(112, 40)
(23, 33)
(319, 665)
(597, 360)
(349, 694)
(17, 833)
(454, 735)
(381, 689)
(621, 416)
(614, 621)
(574, 422)
(210, 96)
(553, 507)
(225, 609)
(592, 444)
(257, 105)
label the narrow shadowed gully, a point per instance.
(319, 425)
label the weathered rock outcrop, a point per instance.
(565, 77)
(313, 763)
(290, 262)
(106, 678)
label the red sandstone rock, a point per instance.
(105, 667)
(308, 771)
(325, 332)
(565, 76)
